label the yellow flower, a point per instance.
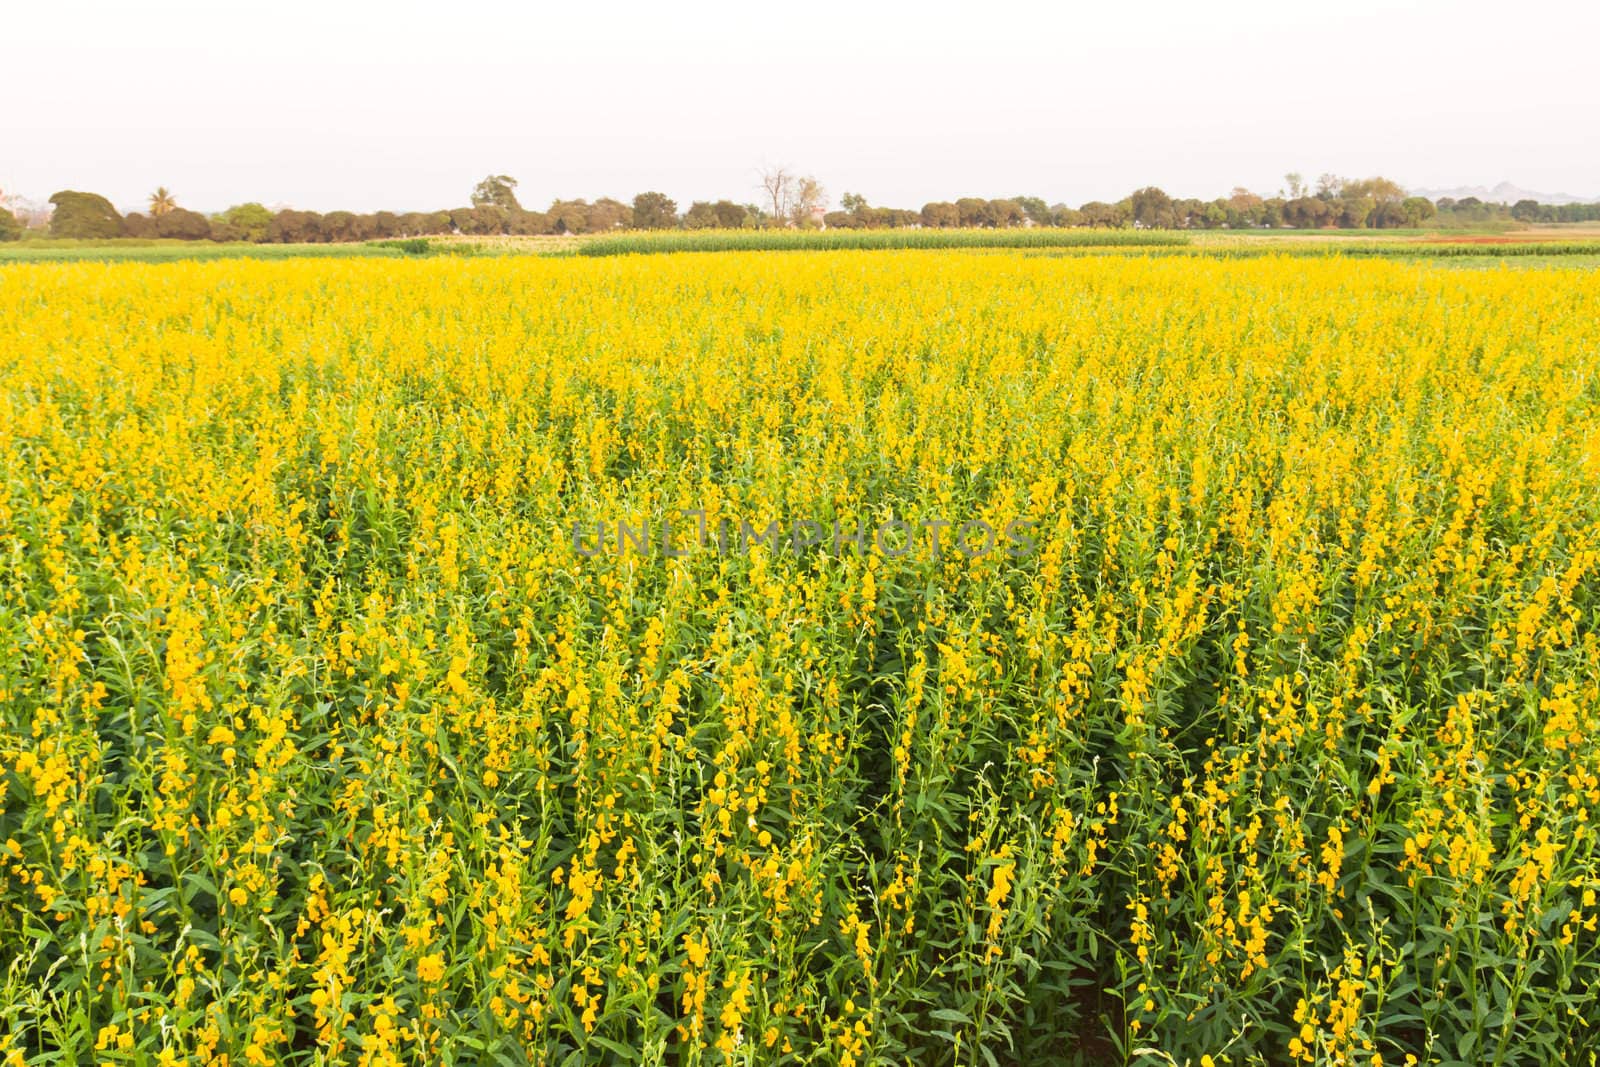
(431, 968)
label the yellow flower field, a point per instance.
(332, 732)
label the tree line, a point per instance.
(1533, 211)
(789, 199)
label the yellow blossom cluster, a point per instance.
(324, 740)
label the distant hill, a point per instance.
(1504, 193)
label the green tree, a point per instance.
(731, 216)
(1355, 211)
(1152, 207)
(972, 211)
(339, 226)
(487, 220)
(295, 227)
(1100, 213)
(1525, 210)
(528, 223)
(430, 222)
(1036, 209)
(83, 215)
(1003, 213)
(497, 190)
(161, 202)
(654, 211)
(700, 216)
(1380, 190)
(1387, 217)
(1306, 213)
(253, 220)
(854, 203)
(1418, 209)
(10, 228)
(183, 224)
(1062, 215)
(724, 214)
(380, 224)
(1243, 209)
(569, 216)
(608, 214)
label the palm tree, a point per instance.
(161, 202)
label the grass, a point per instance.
(1487, 261)
(1445, 251)
(1398, 244)
(1530, 254)
(172, 251)
(839, 240)
(124, 249)
(1342, 231)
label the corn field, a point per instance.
(840, 240)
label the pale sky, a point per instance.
(404, 105)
